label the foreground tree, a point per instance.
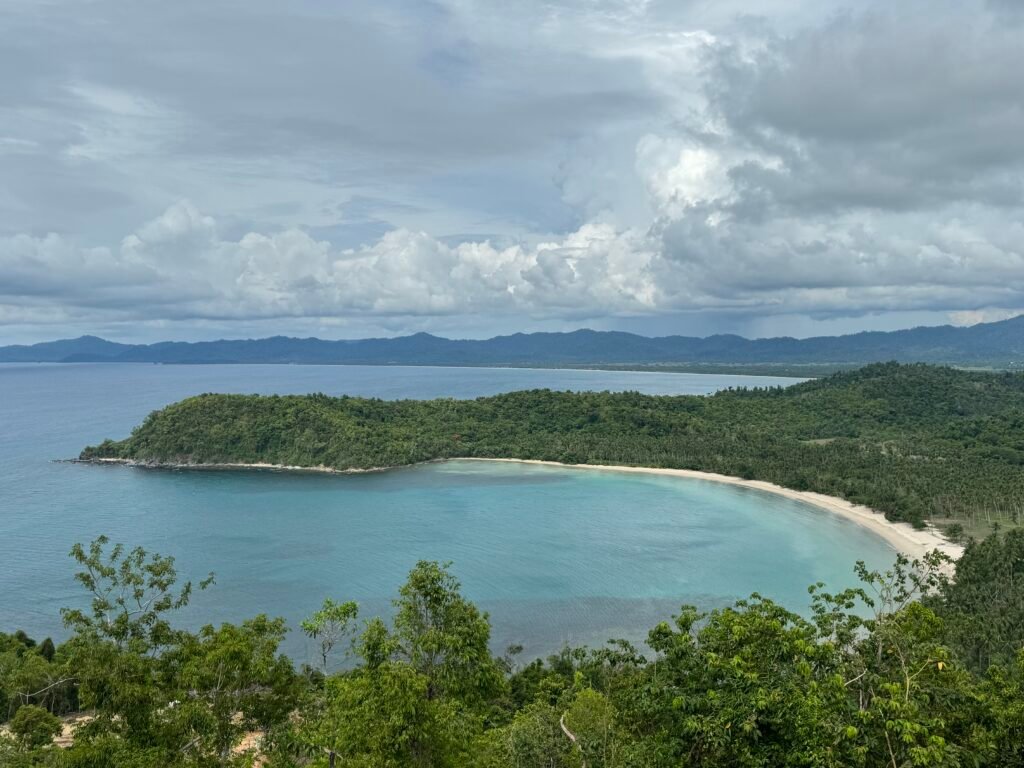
(231, 681)
(160, 695)
(875, 677)
(330, 625)
(1004, 694)
(983, 608)
(444, 637)
(420, 690)
(34, 727)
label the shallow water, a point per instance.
(555, 555)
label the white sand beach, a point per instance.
(902, 536)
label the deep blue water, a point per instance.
(556, 556)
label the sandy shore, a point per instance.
(903, 537)
(232, 465)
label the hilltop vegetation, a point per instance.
(933, 677)
(913, 441)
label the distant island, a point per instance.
(916, 442)
(988, 345)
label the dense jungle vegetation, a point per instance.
(913, 441)
(934, 676)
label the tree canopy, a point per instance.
(912, 441)
(909, 669)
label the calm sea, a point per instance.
(556, 556)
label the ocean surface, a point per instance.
(555, 555)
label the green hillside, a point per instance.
(913, 441)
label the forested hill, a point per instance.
(914, 441)
(999, 345)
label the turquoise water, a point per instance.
(555, 555)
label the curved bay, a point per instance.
(555, 555)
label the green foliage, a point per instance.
(230, 680)
(905, 670)
(1004, 692)
(591, 719)
(749, 685)
(385, 717)
(983, 607)
(33, 674)
(533, 738)
(421, 692)
(444, 637)
(913, 441)
(158, 695)
(34, 726)
(330, 625)
(131, 591)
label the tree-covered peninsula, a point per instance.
(913, 441)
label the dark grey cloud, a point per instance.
(871, 162)
(257, 77)
(898, 108)
(241, 105)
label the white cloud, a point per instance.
(985, 315)
(180, 258)
(178, 266)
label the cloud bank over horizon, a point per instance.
(200, 170)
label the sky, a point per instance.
(351, 168)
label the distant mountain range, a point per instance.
(999, 344)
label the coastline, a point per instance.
(902, 537)
(228, 465)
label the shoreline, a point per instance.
(231, 465)
(902, 537)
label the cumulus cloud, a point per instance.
(179, 266)
(180, 262)
(985, 315)
(872, 162)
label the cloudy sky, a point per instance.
(344, 168)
